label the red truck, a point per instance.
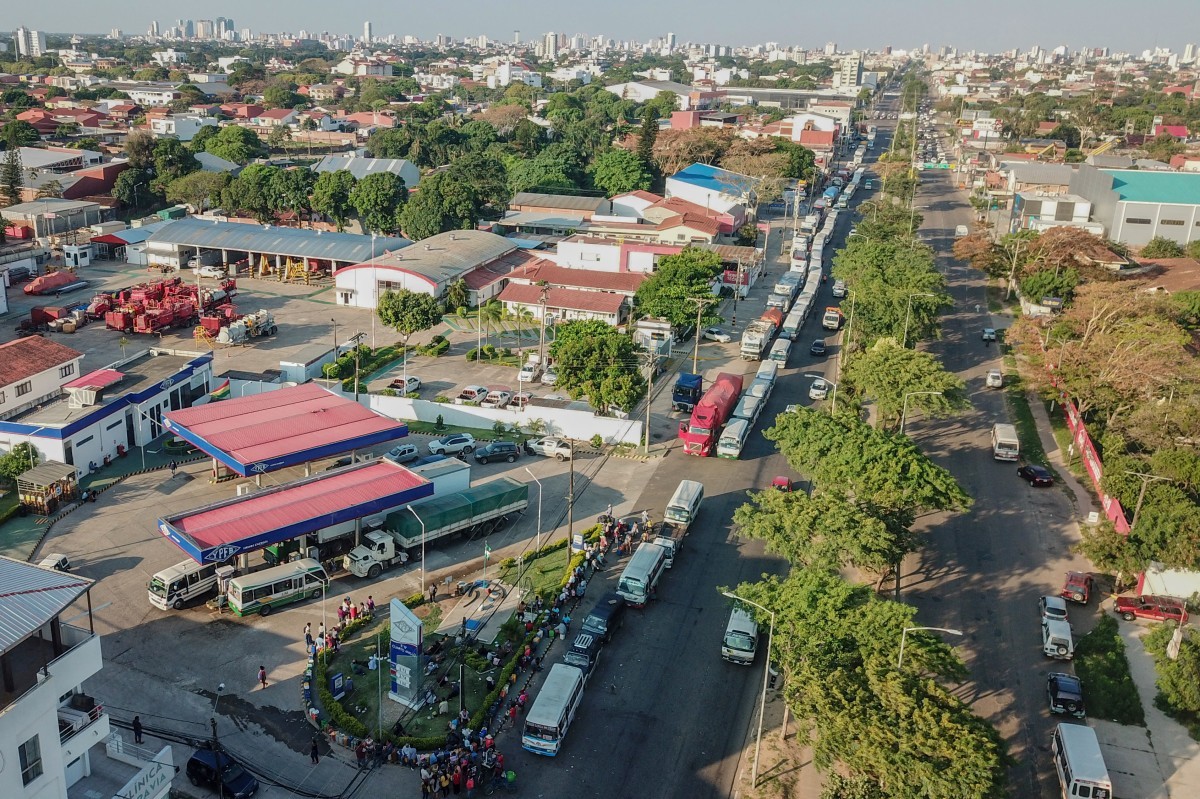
(699, 434)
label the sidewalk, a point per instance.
(1080, 496)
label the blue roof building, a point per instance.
(1136, 206)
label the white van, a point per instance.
(685, 503)
(767, 370)
(176, 586)
(641, 575)
(741, 638)
(1006, 446)
(732, 439)
(780, 350)
(1057, 641)
(748, 408)
(960, 231)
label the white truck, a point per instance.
(259, 323)
(755, 339)
(832, 318)
(809, 224)
(476, 511)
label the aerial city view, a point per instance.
(800, 403)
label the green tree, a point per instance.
(237, 144)
(200, 190)
(1067, 133)
(473, 187)
(201, 137)
(378, 199)
(19, 133)
(390, 143)
(51, 188)
(890, 280)
(1193, 249)
(139, 149)
(12, 176)
(172, 160)
(887, 372)
(1058, 283)
(18, 460)
(596, 360)
(282, 95)
(278, 136)
(647, 136)
(617, 171)
(133, 189)
(331, 195)
(408, 311)
(250, 192)
(678, 279)
(458, 294)
(1162, 247)
(545, 172)
(290, 190)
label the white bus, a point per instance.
(732, 439)
(263, 591)
(1079, 763)
(176, 586)
(641, 574)
(553, 710)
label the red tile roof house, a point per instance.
(1178, 131)
(33, 370)
(565, 304)
(241, 110)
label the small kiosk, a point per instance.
(45, 488)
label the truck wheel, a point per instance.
(1078, 597)
(316, 593)
(560, 457)
(177, 604)
(511, 458)
(265, 610)
(1128, 616)
(272, 331)
(374, 571)
(1060, 649)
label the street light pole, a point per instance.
(700, 303)
(908, 313)
(422, 523)
(539, 518)
(904, 637)
(912, 217)
(904, 410)
(762, 704)
(213, 720)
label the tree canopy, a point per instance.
(408, 312)
(886, 373)
(378, 199)
(667, 292)
(595, 360)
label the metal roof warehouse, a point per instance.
(266, 432)
(173, 244)
(217, 532)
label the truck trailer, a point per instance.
(699, 434)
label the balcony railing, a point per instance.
(74, 720)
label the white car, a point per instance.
(819, 389)
(551, 447)
(406, 385)
(529, 372)
(403, 453)
(995, 378)
(989, 334)
(717, 334)
(208, 270)
(452, 444)
(549, 377)
(496, 399)
(520, 400)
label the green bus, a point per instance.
(263, 591)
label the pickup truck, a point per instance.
(551, 447)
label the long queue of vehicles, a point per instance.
(561, 695)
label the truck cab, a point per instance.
(370, 558)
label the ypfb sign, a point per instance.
(404, 655)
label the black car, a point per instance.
(498, 451)
(817, 348)
(606, 616)
(684, 333)
(1036, 475)
(584, 652)
(1065, 694)
(222, 773)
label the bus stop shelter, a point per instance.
(289, 427)
(223, 530)
(43, 489)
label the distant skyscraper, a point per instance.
(30, 44)
(189, 29)
(550, 45)
(851, 71)
(366, 33)
(831, 48)
(516, 37)
(1189, 53)
(670, 41)
(154, 29)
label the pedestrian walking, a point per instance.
(307, 628)
(608, 511)
(370, 605)
(174, 466)
(137, 729)
(262, 675)
(313, 753)
(645, 517)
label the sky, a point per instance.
(868, 24)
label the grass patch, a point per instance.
(1022, 414)
(1109, 690)
(480, 433)
(543, 575)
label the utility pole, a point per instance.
(1146, 480)
(651, 362)
(542, 337)
(700, 303)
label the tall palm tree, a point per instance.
(490, 313)
(522, 315)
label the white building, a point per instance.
(182, 126)
(33, 370)
(149, 94)
(510, 72)
(169, 57)
(47, 723)
(30, 44)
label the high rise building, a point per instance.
(154, 29)
(670, 41)
(366, 33)
(850, 73)
(831, 48)
(516, 37)
(1189, 53)
(550, 45)
(30, 44)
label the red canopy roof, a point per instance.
(101, 378)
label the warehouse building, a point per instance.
(1136, 206)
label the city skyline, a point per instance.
(870, 25)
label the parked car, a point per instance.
(550, 377)
(496, 399)
(471, 395)
(1155, 608)
(551, 447)
(817, 348)
(1036, 475)
(209, 270)
(406, 385)
(56, 561)
(684, 333)
(219, 771)
(717, 334)
(989, 334)
(404, 453)
(1053, 608)
(607, 616)
(520, 400)
(1078, 587)
(783, 483)
(819, 389)
(995, 378)
(498, 451)
(1065, 694)
(529, 372)
(452, 444)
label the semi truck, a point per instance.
(686, 392)
(699, 434)
(758, 334)
(476, 511)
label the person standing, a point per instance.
(174, 466)
(370, 604)
(262, 676)
(313, 754)
(137, 729)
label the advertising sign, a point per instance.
(405, 655)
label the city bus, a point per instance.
(1079, 763)
(263, 591)
(553, 710)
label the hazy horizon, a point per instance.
(869, 24)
